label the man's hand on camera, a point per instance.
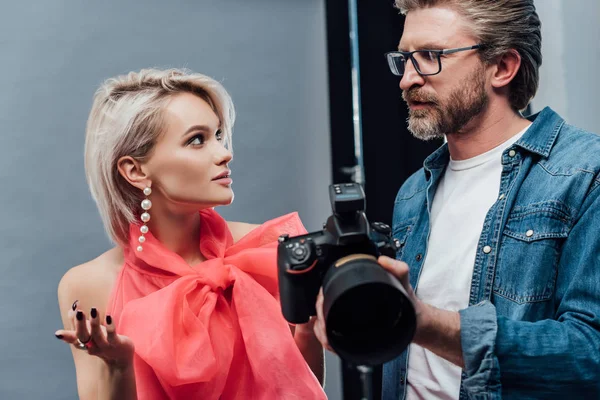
(400, 270)
(397, 268)
(437, 330)
(319, 327)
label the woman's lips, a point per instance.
(224, 181)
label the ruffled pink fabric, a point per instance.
(212, 330)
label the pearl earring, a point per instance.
(146, 205)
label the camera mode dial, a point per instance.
(300, 251)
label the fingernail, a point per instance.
(74, 306)
(108, 319)
(79, 315)
(58, 336)
(94, 313)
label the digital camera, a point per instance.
(368, 316)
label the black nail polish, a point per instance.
(108, 320)
(74, 306)
(58, 336)
(79, 315)
(94, 313)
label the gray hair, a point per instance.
(125, 120)
(500, 25)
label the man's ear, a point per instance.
(506, 69)
(131, 170)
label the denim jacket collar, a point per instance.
(535, 140)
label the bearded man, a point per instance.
(499, 231)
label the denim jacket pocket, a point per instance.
(529, 252)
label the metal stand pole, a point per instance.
(358, 172)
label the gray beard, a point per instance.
(423, 126)
(463, 105)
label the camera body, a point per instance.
(369, 318)
(305, 262)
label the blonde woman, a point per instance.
(186, 305)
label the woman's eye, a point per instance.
(219, 135)
(197, 140)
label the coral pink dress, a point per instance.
(213, 330)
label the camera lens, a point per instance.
(368, 316)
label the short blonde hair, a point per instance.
(125, 120)
(500, 25)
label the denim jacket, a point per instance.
(532, 328)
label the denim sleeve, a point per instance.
(479, 327)
(553, 358)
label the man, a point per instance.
(500, 228)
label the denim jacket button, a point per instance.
(419, 257)
(487, 249)
(512, 153)
(529, 233)
(501, 196)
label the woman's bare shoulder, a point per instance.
(90, 283)
(240, 229)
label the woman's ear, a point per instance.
(131, 170)
(507, 67)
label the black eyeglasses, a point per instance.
(426, 62)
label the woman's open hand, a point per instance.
(97, 339)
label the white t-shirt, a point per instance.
(462, 200)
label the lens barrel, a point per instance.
(369, 318)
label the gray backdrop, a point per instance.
(270, 55)
(569, 75)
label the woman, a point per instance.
(186, 306)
